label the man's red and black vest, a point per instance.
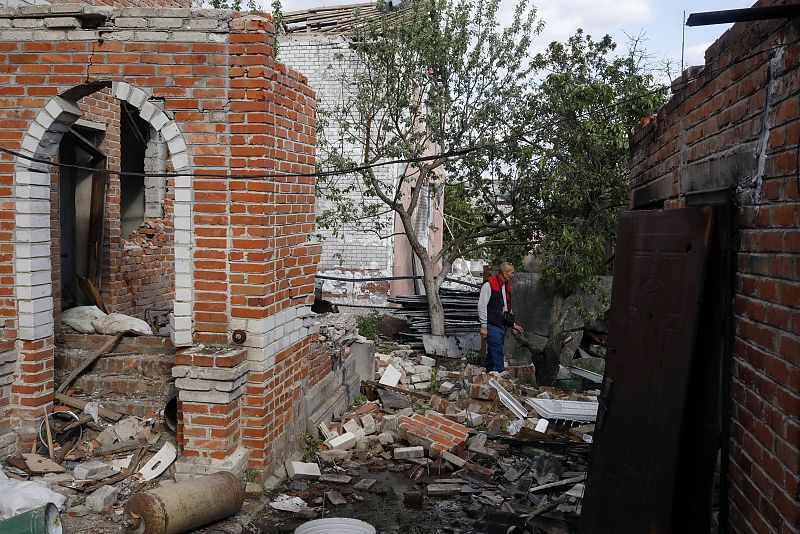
(494, 310)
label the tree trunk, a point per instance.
(547, 372)
(435, 308)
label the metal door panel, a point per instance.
(658, 280)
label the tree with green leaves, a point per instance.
(436, 80)
(530, 150)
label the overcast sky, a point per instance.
(660, 21)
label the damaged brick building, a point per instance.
(730, 136)
(184, 196)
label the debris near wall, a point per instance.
(445, 430)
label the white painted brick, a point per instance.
(183, 182)
(183, 252)
(182, 223)
(182, 338)
(34, 292)
(38, 332)
(147, 111)
(183, 266)
(121, 90)
(33, 279)
(32, 178)
(137, 97)
(32, 206)
(36, 306)
(180, 323)
(180, 161)
(159, 120)
(35, 319)
(183, 293)
(170, 131)
(32, 250)
(36, 234)
(183, 195)
(183, 280)
(33, 192)
(182, 237)
(29, 265)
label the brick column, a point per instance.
(210, 382)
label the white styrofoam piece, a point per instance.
(564, 409)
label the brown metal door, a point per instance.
(655, 301)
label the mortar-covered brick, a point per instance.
(735, 122)
(433, 431)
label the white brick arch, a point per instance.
(32, 264)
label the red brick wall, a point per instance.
(737, 122)
(240, 113)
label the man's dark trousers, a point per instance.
(494, 348)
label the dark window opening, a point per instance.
(134, 134)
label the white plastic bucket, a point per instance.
(335, 525)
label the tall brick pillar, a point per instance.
(210, 382)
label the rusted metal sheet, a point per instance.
(184, 507)
(658, 283)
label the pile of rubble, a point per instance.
(487, 441)
(91, 462)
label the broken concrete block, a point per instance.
(102, 498)
(427, 360)
(422, 386)
(86, 470)
(479, 440)
(386, 438)
(390, 423)
(474, 419)
(369, 425)
(404, 453)
(335, 498)
(333, 456)
(333, 478)
(344, 442)
(107, 437)
(453, 459)
(302, 470)
(354, 428)
(364, 484)
(446, 387)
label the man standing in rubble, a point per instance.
(494, 312)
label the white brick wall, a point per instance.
(316, 56)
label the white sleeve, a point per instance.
(483, 303)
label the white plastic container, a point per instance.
(335, 525)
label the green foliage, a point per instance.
(367, 325)
(359, 401)
(433, 387)
(435, 76)
(309, 447)
(252, 475)
(536, 146)
(235, 5)
(589, 100)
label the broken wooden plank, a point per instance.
(123, 446)
(80, 404)
(560, 483)
(107, 347)
(39, 465)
